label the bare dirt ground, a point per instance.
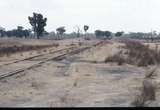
(80, 80)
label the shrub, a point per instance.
(45, 50)
(87, 38)
(136, 54)
(80, 43)
(56, 45)
(116, 58)
(143, 54)
(148, 91)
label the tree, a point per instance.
(38, 23)
(118, 34)
(19, 32)
(99, 33)
(26, 33)
(2, 32)
(107, 34)
(9, 33)
(52, 35)
(60, 31)
(86, 29)
(46, 33)
(137, 35)
(78, 31)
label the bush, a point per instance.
(136, 54)
(142, 54)
(116, 58)
(87, 38)
(148, 90)
(56, 45)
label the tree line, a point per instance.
(38, 23)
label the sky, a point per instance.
(113, 15)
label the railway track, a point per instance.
(29, 58)
(56, 55)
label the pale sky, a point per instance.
(113, 15)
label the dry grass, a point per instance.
(148, 90)
(142, 54)
(45, 50)
(152, 73)
(148, 93)
(14, 49)
(116, 58)
(80, 43)
(55, 45)
(136, 53)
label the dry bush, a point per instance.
(45, 50)
(87, 38)
(56, 45)
(30, 53)
(138, 101)
(136, 54)
(72, 44)
(142, 55)
(80, 43)
(75, 84)
(94, 61)
(39, 52)
(21, 54)
(148, 91)
(151, 73)
(116, 58)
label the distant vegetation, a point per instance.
(19, 32)
(37, 30)
(60, 32)
(118, 34)
(103, 34)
